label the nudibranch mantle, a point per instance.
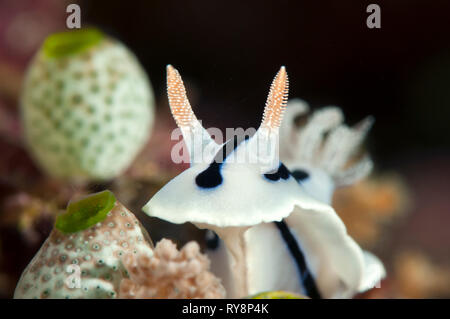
(232, 203)
(259, 209)
(239, 193)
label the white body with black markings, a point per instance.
(275, 235)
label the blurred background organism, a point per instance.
(87, 106)
(399, 74)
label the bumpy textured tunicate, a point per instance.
(87, 106)
(86, 263)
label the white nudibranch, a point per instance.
(277, 237)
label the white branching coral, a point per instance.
(170, 273)
(324, 142)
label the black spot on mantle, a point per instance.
(211, 177)
(306, 277)
(300, 175)
(281, 173)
